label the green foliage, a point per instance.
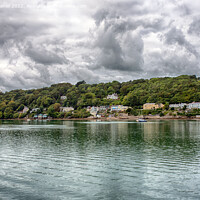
(130, 100)
(81, 114)
(8, 113)
(1, 114)
(20, 108)
(16, 115)
(152, 112)
(162, 114)
(166, 106)
(181, 89)
(80, 82)
(2, 106)
(61, 115)
(51, 112)
(57, 107)
(22, 115)
(132, 111)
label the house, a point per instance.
(194, 105)
(113, 96)
(34, 110)
(179, 105)
(93, 110)
(45, 116)
(98, 108)
(103, 108)
(151, 106)
(119, 108)
(35, 117)
(41, 116)
(25, 110)
(63, 98)
(66, 109)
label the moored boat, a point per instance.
(141, 120)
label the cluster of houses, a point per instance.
(193, 105)
(151, 106)
(99, 111)
(41, 116)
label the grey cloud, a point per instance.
(168, 63)
(42, 56)
(18, 26)
(120, 46)
(176, 36)
(97, 41)
(120, 52)
(195, 26)
(30, 76)
(121, 24)
(118, 8)
(130, 7)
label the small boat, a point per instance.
(141, 120)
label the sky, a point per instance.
(54, 41)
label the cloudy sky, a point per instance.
(52, 41)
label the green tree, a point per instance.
(20, 108)
(1, 115)
(8, 113)
(130, 100)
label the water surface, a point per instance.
(99, 160)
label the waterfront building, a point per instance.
(151, 106)
(179, 105)
(40, 116)
(119, 108)
(194, 105)
(97, 108)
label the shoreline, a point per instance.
(110, 118)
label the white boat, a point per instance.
(141, 120)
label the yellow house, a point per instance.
(151, 106)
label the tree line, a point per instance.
(135, 93)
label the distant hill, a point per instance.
(132, 93)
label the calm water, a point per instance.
(99, 160)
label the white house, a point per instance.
(63, 97)
(34, 110)
(179, 105)
(112, 96)
(98, 108)
(66, 109)
(194, 105)
(26, 109)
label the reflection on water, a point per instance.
(99, 160)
